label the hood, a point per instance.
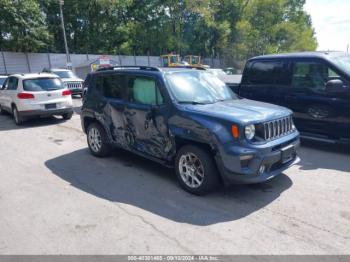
(72, 79)
(242, 111)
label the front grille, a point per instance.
(74, 85)
(277, 128)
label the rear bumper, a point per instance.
(43, 113)
(235, 169)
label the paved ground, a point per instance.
(55, 198)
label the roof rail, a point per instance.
(150, 68)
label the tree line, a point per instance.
(226, 28)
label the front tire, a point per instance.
(98, 141)
(196, 170)
(16, 116)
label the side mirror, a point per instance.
(335, 86)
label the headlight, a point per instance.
(249, 132)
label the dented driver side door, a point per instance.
(146, 117)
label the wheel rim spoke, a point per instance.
(95, 140)
(191, 170)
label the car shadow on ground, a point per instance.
(317, 155)
(130, 179)
(7, 122)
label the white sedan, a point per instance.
(29, 95)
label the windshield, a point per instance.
(65, 74)
(195, 60)
(343, 62)
(198, 87)
(42, 84)
(173, 59)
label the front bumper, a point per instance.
(44, 113)
(241, 165)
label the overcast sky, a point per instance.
(331, 20)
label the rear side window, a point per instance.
(267, 73)
(2, 81)
(111, 85)
(42, 84)
(144, 90)
(12, 83)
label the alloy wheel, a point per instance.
(95, 140)
(191, 170)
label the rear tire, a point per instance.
(67, 116)
(98, 141)
(196, 170)
(16, 116)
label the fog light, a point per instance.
(262, 169)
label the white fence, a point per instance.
(12, 62)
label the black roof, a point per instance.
(316, 54)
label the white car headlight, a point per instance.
(249, 132)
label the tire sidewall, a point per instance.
(210, 180)
(15, 113)
(105, 149)
(67, 116)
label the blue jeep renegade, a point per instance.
(190, 120)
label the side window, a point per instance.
(312, 76)
(12, 83)
(332, 74)
(268, 73)
(165, 61)
(144, 90)
(99, 83)
(113, 86)
(110, 85)
(5, 84)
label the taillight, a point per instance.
(25, 96)
(66, 93)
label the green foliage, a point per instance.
(22, 26)
(235, 29)
(273, 26)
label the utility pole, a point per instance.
(69, 64)
(347, 48)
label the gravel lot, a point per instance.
(55, 198)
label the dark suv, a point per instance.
(315, 85)
(190, 120)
